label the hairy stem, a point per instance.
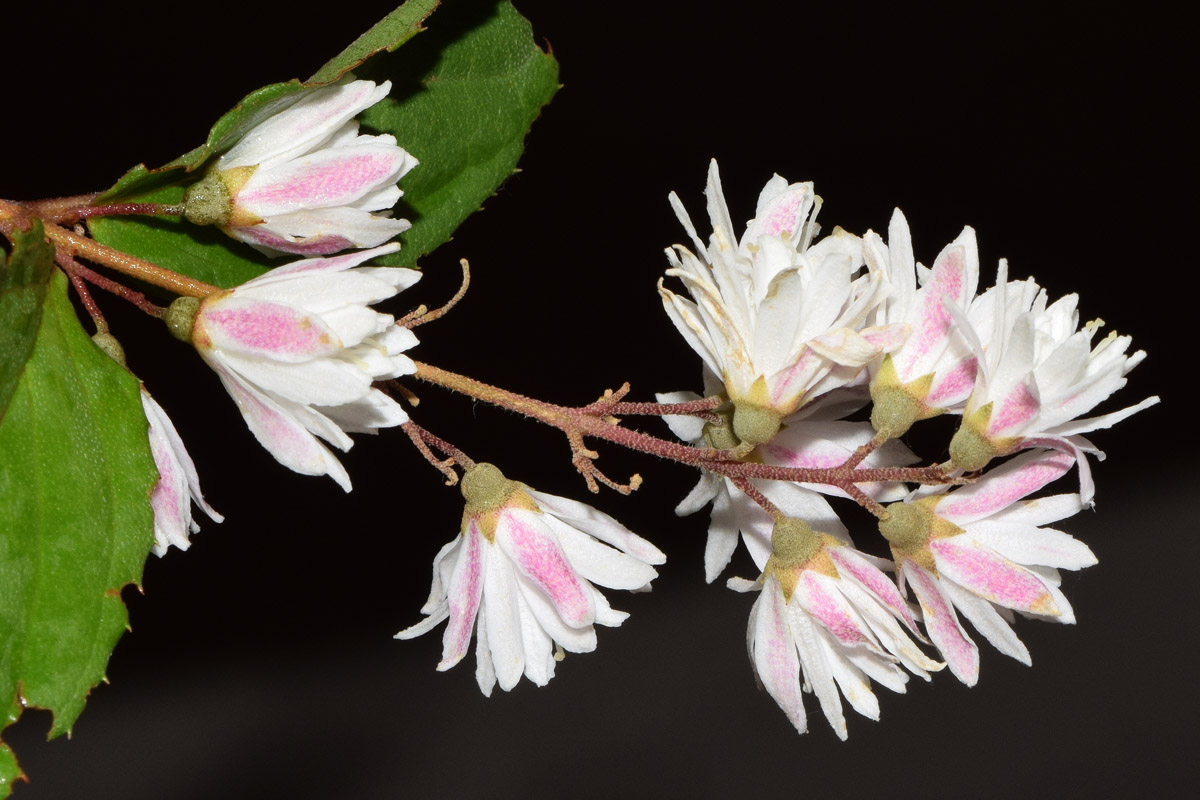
(595, 421)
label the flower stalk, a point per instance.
(595, 420)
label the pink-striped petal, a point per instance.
(259, 328)
(281, 433)
(323, 179)
(1003, 486)
(776, 660)
(991, 576)
(536, 554)
(947, 634)
(853, 566)
(463, 593)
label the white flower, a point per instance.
(779, 318)
(1038, 374)
(520, 575)
(934, 370)
(304, 181)
(178, 484)
(298, 350)
(827, 612)
(980, 550)
(813, 438)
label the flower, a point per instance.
(298, 349)
(814, 438)
(980, 550)
(1037, 375)
(827, 611)
(304, 181)
(520, 575)
(178, 484)
(778, 318)
(934, 370)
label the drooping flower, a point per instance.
(827, 618)
(520, 577)
(178, 483)
(1038, 374)
(934, 370)
(981, 551)
(304, 181)
(779, 318)
(815, 438)
(298, 349)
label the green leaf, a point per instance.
(483, 81)
(75, 524)
(464, 94)
(22, 289)
(389, 33)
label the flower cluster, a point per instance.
(796, 332)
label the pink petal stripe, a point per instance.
(280, 433)
(933, 318)
(1015, 411)
(953, 386)
(998, 490)
(830, 608)
(783, 215)
(776, 659)
(256, 327)
(992, 577)
(873, 580)
(538, 557)
(464, 593)
(942, 624)
(340, 177)
(320, 245)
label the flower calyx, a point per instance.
(181, 316)
(755, 424)
(908, 527)
(487, 491)
(897, 406)
(972, 448)
(795, 547)
(209, 201)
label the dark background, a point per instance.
(261, 661)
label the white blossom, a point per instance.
(178, 483)
(519, 578)
(304, 180)
(299, 348)
(828, 619)
(981, 549)
(778, 316)
(1038, 374)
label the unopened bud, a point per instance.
(109, 344)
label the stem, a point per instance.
(578, 423)
(77, 270)
(74, 214)
(89, 303)
(74, 244)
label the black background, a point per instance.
(261, 661)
